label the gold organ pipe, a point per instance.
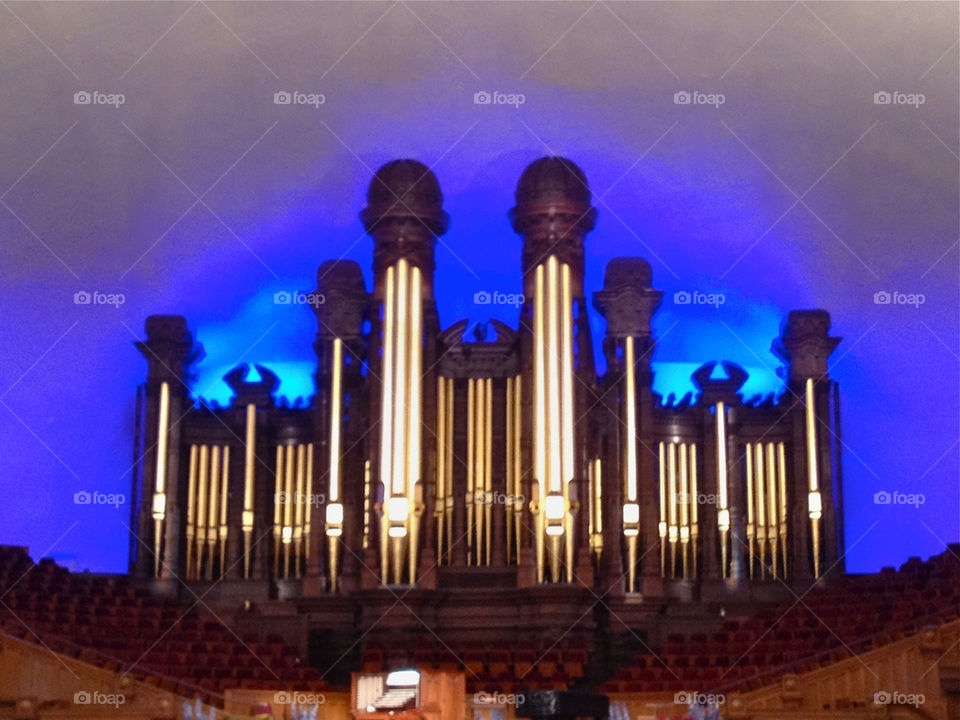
(413, 435)
(684, 507)
(290, 457)
(160, 481)
(448, 465)
(814, 502)
(439, 492)
(508, 507)
(751, 528)
(723, 512)
(471, 460)
(694, 508)
(662, 527)
(554, 477)
(308, 509)
(631, 406)
(387, 417)
(566, 397)
(249, 475)
(336, 409)
(163, 423)
(278, 509)
(598, 495)
(212, 520)
(480, 455)
(773, 508)
(760, 498)
(366, 504)
(301, 502)
(191, 508)
(224, 492)
(540, 414)
(517, 473)
(401, 355)
(672, 506)
(782, 477)
(488, 464)
(810, 416)
(203, 479)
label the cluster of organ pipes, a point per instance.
(400, 426)
(766, 492)
(553, 419)
(679, 527)
(208, 481)
(292, 503)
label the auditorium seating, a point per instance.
(107, 621)
(851, 614)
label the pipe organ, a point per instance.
(429, 457)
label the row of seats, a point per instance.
(107, 621)
(852, 613)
